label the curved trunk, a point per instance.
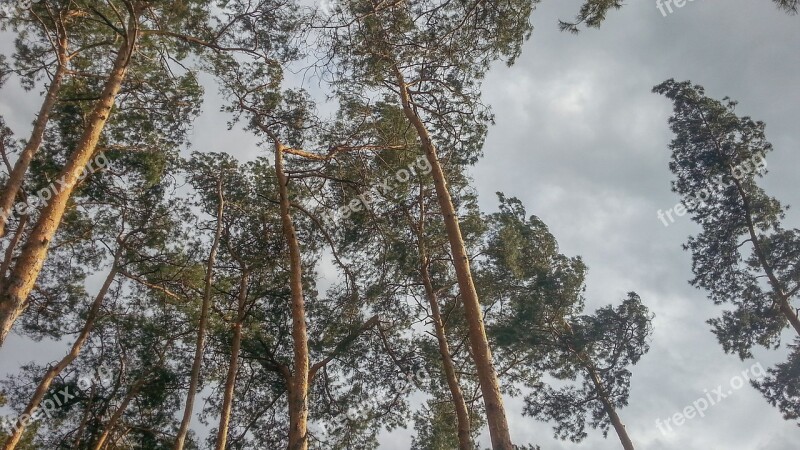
(47, 380)
(479, 343)
(201, 331)
(26, 271)
(299, 384)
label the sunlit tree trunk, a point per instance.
(299, 385)
(10, 190)
(487, 377)
(31, 259)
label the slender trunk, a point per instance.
(627, 444)
(15, 179)
(12, 246)
(600, 389)
(299, 385)
(201, 331)
(13, 299)
(103, 439)
(777, 287)
(84, 420)
(47, 381)
(462, 413)
(233, 367)
(487, 377)
(789, 313)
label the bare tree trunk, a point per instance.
(627, 444)
(298, 388)
(462, 413)
(134, 391)
(26, 271)
(12, 187)
(53, 372)
(201, 331)
(233, 367)
(487, 377)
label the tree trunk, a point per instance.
(12, 245)
(789, 313)
(233, 367)
(26, 271)
(600, 390)
(299, 385)
(783, 298)
(85, 420)
(15, 179)
(53, 372)
(201, 331)
(103, 439)
(490, 386)
(462, 413)
(627, 444)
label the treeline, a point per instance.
(210, 304)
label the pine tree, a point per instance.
(743, 255)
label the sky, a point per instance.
(582, 141)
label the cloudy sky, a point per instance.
(582, 141)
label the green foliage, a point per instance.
(536, 296)
(600, 349)
(790, 6)
(781, 387)
(717, 159)
(524, 268)
(592, 14)
(743, 239)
